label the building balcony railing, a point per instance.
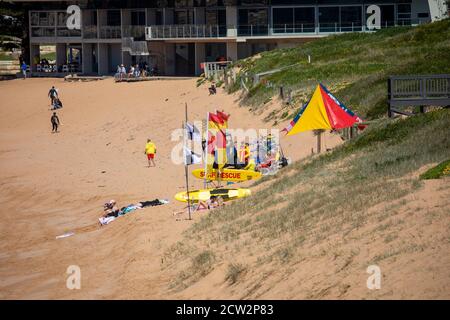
(50, 32)
(215, 31)
(90, 32)
(134, 31)
(110, 32)
(185, 31)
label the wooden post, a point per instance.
(389, 98)
(319, 141)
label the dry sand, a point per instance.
(56, 183)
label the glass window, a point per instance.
(184, 17)
(404, 14)
(329, 19)
(113, 17)
(253, 22)
(304, 19)
(137, 18)
(351, 18)
(34, 19)
(283, 20)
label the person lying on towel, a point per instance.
(112, 212)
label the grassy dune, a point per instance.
(346, 197)
(355, 66)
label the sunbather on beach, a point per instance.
(112, 211)
(212, 203)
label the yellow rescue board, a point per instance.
(206, 194)
(234, 175)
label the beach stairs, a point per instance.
(135, 48)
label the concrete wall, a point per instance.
(169, 59)
(86, 52)
(157, 55)
(199, 57)
(103, 65)
(232, 51)
(61, 54)
(114, 56)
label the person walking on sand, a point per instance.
(55, 122)
(150, 151)
(24, 67)
(53, 94)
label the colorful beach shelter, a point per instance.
(323, 111)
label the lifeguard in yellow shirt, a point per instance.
(150, 151)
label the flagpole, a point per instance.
(206, 150)
(186, 165)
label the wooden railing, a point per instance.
(418, 90)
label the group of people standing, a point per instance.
(135, 71)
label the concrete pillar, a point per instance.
(232, 21)
(232, 51)
(34, 52)
(61, 54)
(199, 57)
(86, 53)
(169, 59)
(103, 64)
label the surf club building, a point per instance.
(178, 36)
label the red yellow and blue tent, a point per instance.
(322, 111)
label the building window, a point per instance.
(113, 17)
(304, 19)
(253, 22)
(329, 19)
(137, 18)
(283, 20)
(404, 14)
(351, 18)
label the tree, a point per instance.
(13, 26)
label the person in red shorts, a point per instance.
(150, 151)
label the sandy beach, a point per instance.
(51, 184)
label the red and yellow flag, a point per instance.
(217, 142)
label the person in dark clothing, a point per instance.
(53, 94)
(55, 122)
(57, 104)
(212, 89)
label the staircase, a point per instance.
(135, 48)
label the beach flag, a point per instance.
(323, 111)
(192, 132)
(217, 142)
(224, 117)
